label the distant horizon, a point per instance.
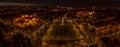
(16, 4)
(45, 4)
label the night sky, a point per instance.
(70, 2)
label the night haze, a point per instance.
(69, 2)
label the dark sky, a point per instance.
(71, 2)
